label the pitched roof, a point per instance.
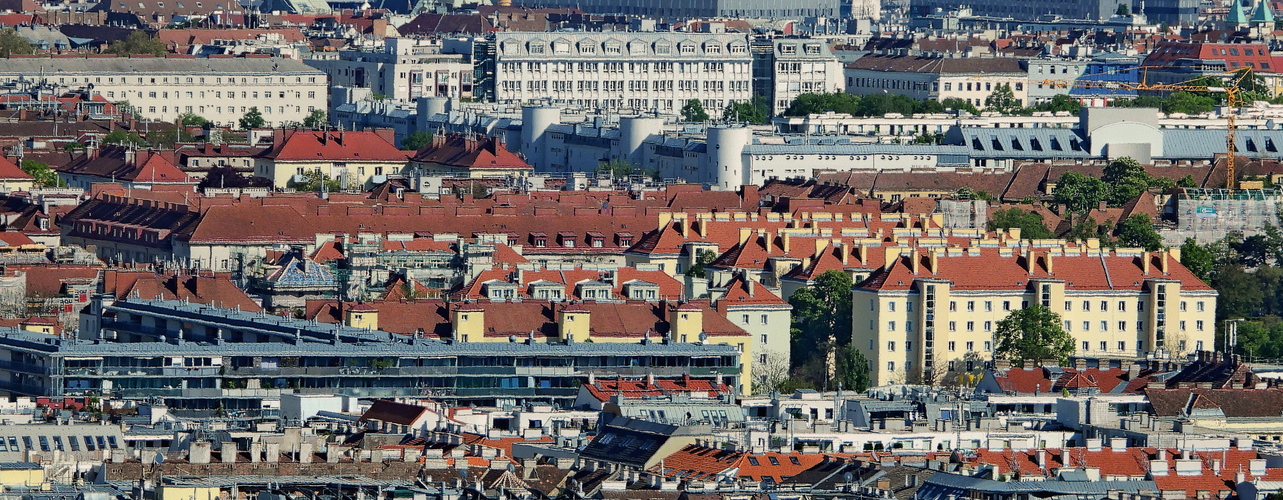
(393, 412)
(1236, 403)
(604, 388)
(9, 170)
(461, 151)
(217, 290)
(313, 145)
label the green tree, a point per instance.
(191, 120)
(45, 176)
(852, 370)
(1030, 223)
(1032, 333)
(120, 137)
(1058, 103)
(704, 258)
(1188, 103)
(316, 120)
(1086, 228)
(959, 104)
(314, 180)
(1198, 259)
(228, 177)
(1123, 10)
(693, 111)
(971, 194)
(755, 111)
(1126, 179)
(416, 140)
(616, 167)
(1002, 100)
(809, 104)
(138, 42)
(13, 43)
(252, 119)
(168, 138)
(821, 323)
(1078, 192)
(1138, 231)
(1187, 182)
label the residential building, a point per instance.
(357, 160)
(700, 9)
(462, 156)
(12, 178)
(403, 69)
(215, 357)
(1089, 10)
(794, 67)
(221, 89)
(971, 79)
(642, 71)
(929, 311)
(126, 165)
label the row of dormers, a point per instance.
(613, 47)
(499, 290)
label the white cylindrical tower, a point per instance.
(726, 156)
(633, 131)
(535, 121)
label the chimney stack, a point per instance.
(915, 261)
(935, 262)
(1144, 263)
(864, 254)
(1162, 263)
(1047, 259)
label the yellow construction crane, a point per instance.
(1231, 89)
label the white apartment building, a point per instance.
(803, 67)
(404, 69)
(642, 71)
(971, 79)
(219, 89)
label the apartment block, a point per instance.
(403, 70)
(641, 71)
(220, 89)
(932, 312)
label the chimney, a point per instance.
(892, 254)
(846, 254)
(820, 245)
(681, 228)
(1064, 457)
(785, 236)
(1047, 259)
(745, 233)
(750, 285)
(934, 262)
(1042, 458)
(1144, 263)
(864, 254)
(915, 261)
(1030, 256)
(702, 226)
(1162, 262)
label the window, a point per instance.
(953, 326)
(891, 306)
(1104, 346)
(1122, 345)
(1006, 305)
(890, 366)
(908, 346)
(988, 306)
(873, 306)
(1122, 306)
(1069, 326)
(971, 326)
(762, 319)
(971, 306)
(908, 326)
(1086, 306)
(1104, 325)
(971, 346)
(1122, 326)
(1086, 345)
(1182, 325)
(988, 326)
(890, 326)
(988, 346)
(1182, 306)
(1068, 305)
(1086, 326)
(953, 306)
(952, 346)
(891, 346)
(1198, 325)
(1198, 306)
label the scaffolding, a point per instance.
(1220, 210)
(963, 213)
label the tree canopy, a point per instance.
(416, 140)
(1030, 223)
(13, 43)
(45, 176)
(755, 111)
(693, 111)
(1078, 192)
(191, 120)
(252, 119)
(316, 120)
(1002, 100)
(1033, 333)
(1138, 231)
(822, 325)
(138, 42)
(228, 177)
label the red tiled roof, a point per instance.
(605, 388)
(10, 170)
(310, 145)
(393, 412)
(460, 151)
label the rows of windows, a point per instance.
(43, 443)
(165, 80)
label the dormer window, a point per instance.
(596, 239)
(624, 239)
(566, 239)
(540, 240)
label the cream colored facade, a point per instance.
(219, 89)
(930, 329)
(355, 174)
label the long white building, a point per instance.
(219, 89)
(643, 71)
(404, 69)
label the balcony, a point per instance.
(17, 388)
(14, 366)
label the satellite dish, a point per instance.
(1269, 124)
(848, 477)
(703, 336)
(158, 458)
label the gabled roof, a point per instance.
(464, 152)
(1236, 403)
(604, 388)
(10, 171)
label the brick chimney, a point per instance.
(1144, 263)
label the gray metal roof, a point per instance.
(854, 149)
(1024, 143)
(1203, 143)
(316, 339)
